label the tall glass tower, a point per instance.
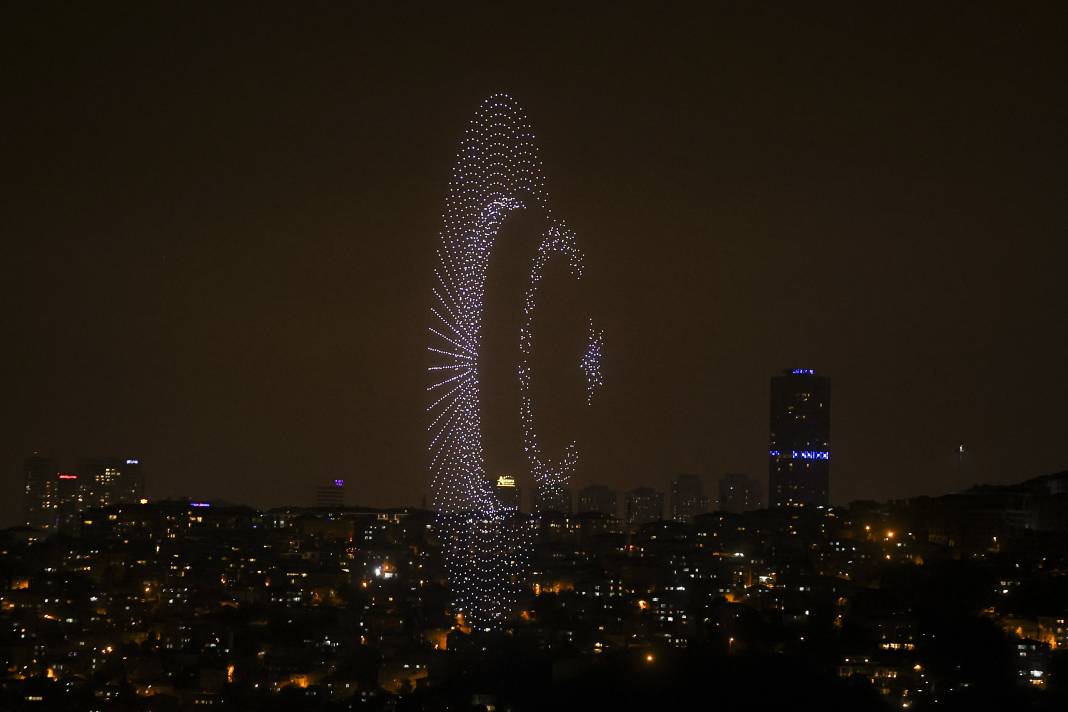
(799, 456)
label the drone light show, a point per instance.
(486, 545)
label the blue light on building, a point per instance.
(803, 454)
(803, 372)
(811, 455)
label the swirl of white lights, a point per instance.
(486, 544)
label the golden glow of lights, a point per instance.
(438, 637)
(649, 657)
(643, 605)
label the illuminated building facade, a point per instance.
(739, 493)
(67, 495)
(54, 498)
(111, 480)
(597, 498)
(60, 498)
(799, 454)
(39, 474)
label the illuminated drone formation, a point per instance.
(497, 170)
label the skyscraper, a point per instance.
(739, 493)
(111, 480)
(800, 439)
(38, 475)
(54, 498)
(597, 498)
(687, 498)
(644, 505)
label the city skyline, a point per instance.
(427, 357)
(783, 386)
(954, 602)
(225, 270)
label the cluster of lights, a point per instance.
(802, 454)
(550, 477)
(497, 170)
(591, 362)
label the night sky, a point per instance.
(219, 227)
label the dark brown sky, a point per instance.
(219, 224)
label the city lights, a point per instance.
(361, 273)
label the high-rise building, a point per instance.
(597, 498)
(644, 505)
(68, 495)
(800, 439)
(54, 499)
(330, 494)
(111, 480)
(557, 502)
(687, 498)
(739, 493)
(508, 492)
(38, 475)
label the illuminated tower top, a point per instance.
(508, 492)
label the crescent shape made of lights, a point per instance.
(486, 545)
